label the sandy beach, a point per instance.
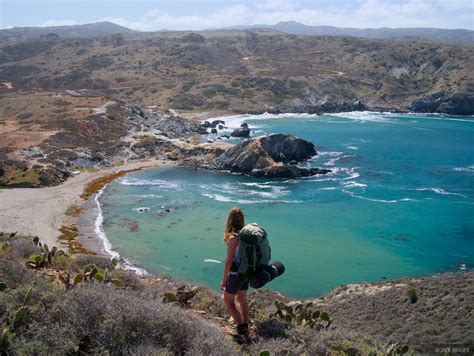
(43, 211)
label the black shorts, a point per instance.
(234, 283)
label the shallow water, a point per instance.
(400, 202)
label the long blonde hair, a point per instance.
(235, 223)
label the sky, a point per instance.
(150, 15)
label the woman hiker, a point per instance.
(233, 285)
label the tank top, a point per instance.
(234, 267)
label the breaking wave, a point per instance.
(153, 182)
(227, 199)
(99, 231)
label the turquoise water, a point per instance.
(400, 202)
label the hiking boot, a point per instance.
(243, 329)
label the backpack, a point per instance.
(253, 252)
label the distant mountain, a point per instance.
(458, 36)
(88, 30)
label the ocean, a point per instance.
(398, 203)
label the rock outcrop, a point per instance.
(445, 103)
(271, 156)
(241, 132)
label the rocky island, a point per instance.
(273, 156)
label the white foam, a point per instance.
(352, 184)
(469, 169)
(365, 116)
(258, 185)
(439, 191)
(352, 173)
(141, 210)
(99, 231)
(242, 189)
(210, 260)
(435, 116)
(154, 182)
(329, 153)
(226, 199)
(380, 200)
(333, 161)
(144, 196)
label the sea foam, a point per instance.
(99, 231)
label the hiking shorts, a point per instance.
(234, 283)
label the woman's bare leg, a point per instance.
(244, 306)
(229, 300)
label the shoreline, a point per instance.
(43, 212)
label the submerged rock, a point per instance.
(241, 132)
(270, 157)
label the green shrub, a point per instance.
(412, 295)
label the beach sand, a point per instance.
(43, 211)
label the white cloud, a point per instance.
(277, 5)
(59, 23)
(360, 13)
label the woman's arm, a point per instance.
(233, 243)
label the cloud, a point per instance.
(350, 13)
(59, 23)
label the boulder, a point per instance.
(214, 131)
(220, 127)
(269, 157)
(201, 130)
(286, 148)
(244, 125)
(241, 132)
(217, 122)
(206, 124)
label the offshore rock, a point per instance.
(241, 132)
(269, 157)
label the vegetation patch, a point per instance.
(97, 184)
(68, 236)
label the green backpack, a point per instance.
(253, 251)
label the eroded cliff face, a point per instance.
(273, 156)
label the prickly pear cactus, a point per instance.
(301, 314)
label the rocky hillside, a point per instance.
(76, 103)
(243, 71)
(46, 136)
(97, 29)
(82, 303)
